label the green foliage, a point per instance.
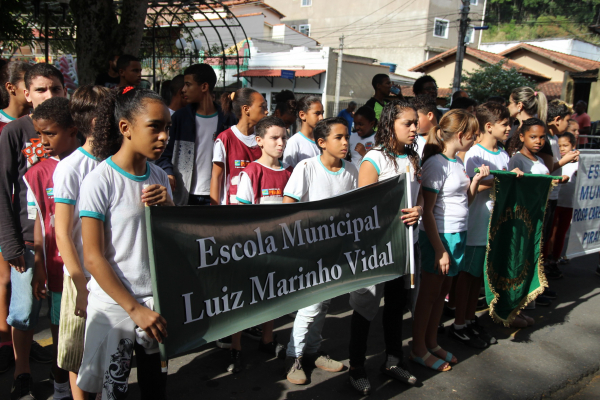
(579, 11)
(493, 80)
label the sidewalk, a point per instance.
(560, 349)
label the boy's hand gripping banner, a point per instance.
(513, 276)
(219, 270)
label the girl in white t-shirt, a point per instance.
(135, 124)
(313, 179)
(393, 153)
(302, 145)
(447, 192)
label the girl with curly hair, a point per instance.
(394, 151)
(131, 129)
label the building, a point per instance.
(570, 46)
(404, 33)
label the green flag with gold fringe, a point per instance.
(513, 273)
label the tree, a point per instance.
(494, 80)
(100, 33)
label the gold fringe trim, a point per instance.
(541, 275)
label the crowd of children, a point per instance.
(136, 154)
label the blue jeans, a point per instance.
(306, 333)
(24, 309)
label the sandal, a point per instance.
(439, 365)
(449, 356)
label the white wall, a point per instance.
(562, 45)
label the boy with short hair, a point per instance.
(68, 177)
(58, 135)
(494, 127)
(130, 70)
(427, 112)
(20, 148)
(382, 85)
(187, 159)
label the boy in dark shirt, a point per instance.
(20, 148)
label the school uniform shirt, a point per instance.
(447, 178)
(68, 177)
(4, 119)
(299, 148)
(260, 184)
(553, 140)
(206, 127)
(481, 207)
(386, 169)
(311, 181)
(40, 203)
(566, 196)
(527, 165)
(114, 197)
(367, 141)
(421, 142)
(236, 151)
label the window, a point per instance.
(440, 28)
(473, 2)
(305, 29)
(308, 3)
(470, 38)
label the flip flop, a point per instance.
(449, 356)
(437, 366)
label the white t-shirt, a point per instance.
(299, 148)
(206, 127)
(68, 177)
(421, 141)
(387, 169)
(447, 178)
(528, 166)
(311, 181)
(566, 196)
(555, 157)
(115, 197)
(219, 154)
(4, 117)
(367, 141)
(481, 207)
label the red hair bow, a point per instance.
(127, 89)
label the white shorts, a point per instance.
(108, 350)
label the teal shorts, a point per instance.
(54, 299)
(454, 243)
(474, 260)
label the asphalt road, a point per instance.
(561, 351)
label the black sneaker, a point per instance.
(40, 354)
(466, 336)
(551, 294)
(564, 260)
(393, 367)
(7, 358)
(253, 333)
(274, 348)
(236, 362)
(481, 332)
(359, 380)
(224, 343)
(552, 271)
(21, 388)
(543, 301)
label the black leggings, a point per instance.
(152, 382)
(395, 296)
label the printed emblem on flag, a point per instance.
(50, 191)
(272, 192)
(369, 145)
(241, 163)
(35, 152)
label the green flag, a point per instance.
(219, 270)
(513, 277)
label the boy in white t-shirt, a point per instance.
(494, 127)
(317, 178)
(427, 112)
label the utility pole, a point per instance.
(338, 79)
(460, 50)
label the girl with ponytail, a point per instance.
(131, 129)
(447, 193)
